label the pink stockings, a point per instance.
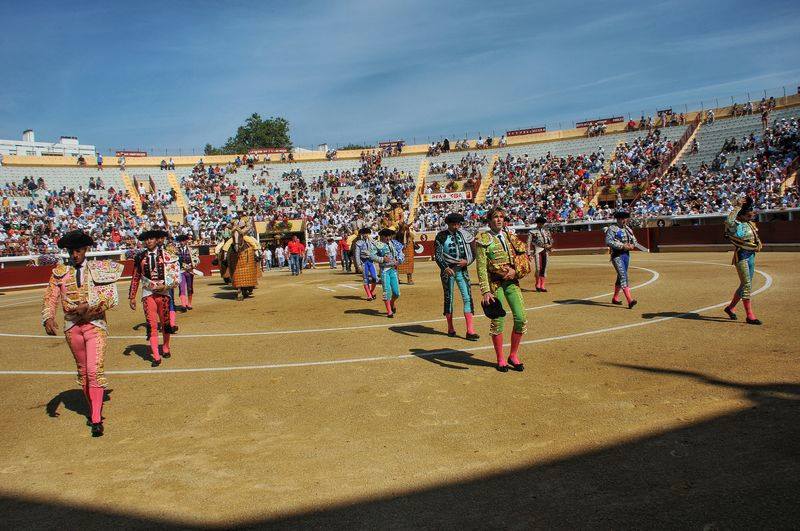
(748, 306)
(467, 317)
(88, 345)
(626, 290)
(516, 339)
(156, 308)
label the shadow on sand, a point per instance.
(585, 302)
(451, 359)
(72, 400)
(738, 469)
(140, 349)
(416, 330)
(366, 311)
(687, 315)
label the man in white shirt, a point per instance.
(310, 263)
(331, 249)
(280, 256)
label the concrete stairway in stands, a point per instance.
(421, 176)
(133, 192)
(593, 195)
(486, 182)
(180, 197)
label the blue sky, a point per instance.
(169, 75)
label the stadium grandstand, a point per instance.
(661, 167)
(400, 265)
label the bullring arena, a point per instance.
(306, 405)
(306, 306)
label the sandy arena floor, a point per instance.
(306, 405)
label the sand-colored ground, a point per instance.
(306, 405)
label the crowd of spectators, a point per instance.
(32, 227)
(550, 186)
(331, 203)
(338, 202)
(713, 189)
(470, 166)
(437, 148)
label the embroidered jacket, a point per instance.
(743, 234)
(363, 251)
(617, 237)
(167, 271)
(540, 240)
(493, 258)
(393, 249)
(188, 257)
(451, 248)
(98, 289)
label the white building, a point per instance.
(66, 146)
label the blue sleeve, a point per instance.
(438, 254)
(611, 240)
(401, 256)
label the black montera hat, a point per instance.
(365, 230)
(621, 214)
(153, 233)
(75, 239)
(386, 232)
(454, 217)
(541, 219)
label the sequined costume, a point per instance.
(157, 272)
(616, 239)
(388, 256)
(93, 283)
(189, 259)
(746, 243)
(744, 237)
(493, 257)
(540, 242)
(363, 251)
(450, 249)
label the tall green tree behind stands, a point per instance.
(255, 133)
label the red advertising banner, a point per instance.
(265, 151)
(529, 131)
(446, 196)
(131, 153)
(606, 121)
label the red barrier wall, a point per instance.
(770, 232)
(21, 275)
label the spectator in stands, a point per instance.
(99, 161)
(712, 189)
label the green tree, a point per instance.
(255, 133)
(211, 150)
